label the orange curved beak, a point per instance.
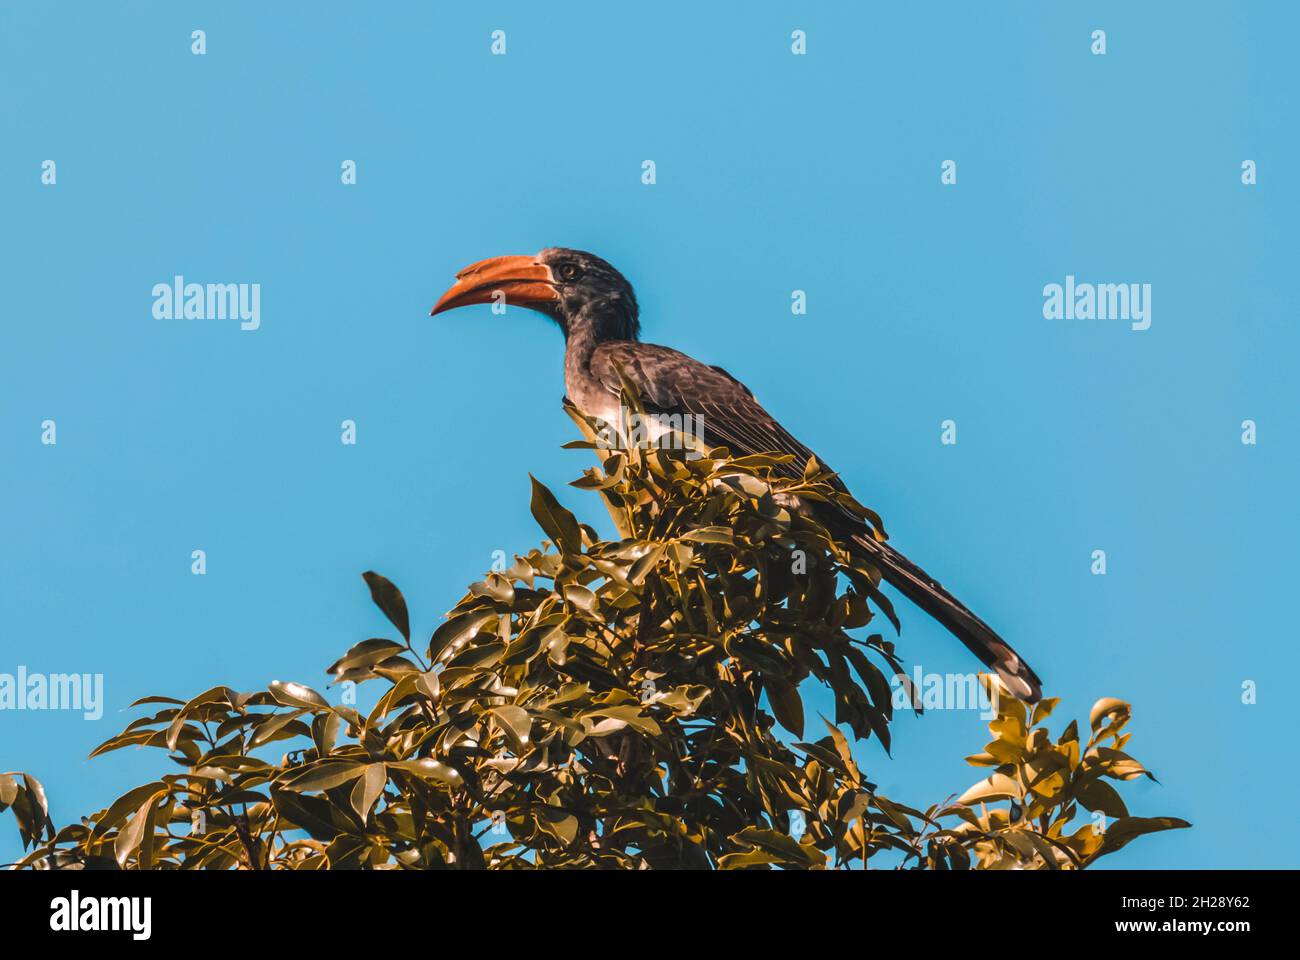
(521, 281)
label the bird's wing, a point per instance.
(725, 410)
(671, 382)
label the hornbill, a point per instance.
(597, 311)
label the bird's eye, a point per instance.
(569, 272)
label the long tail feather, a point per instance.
(923, 590)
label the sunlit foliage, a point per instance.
(636, 703)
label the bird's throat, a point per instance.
(608, 318)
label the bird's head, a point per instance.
(578, 290)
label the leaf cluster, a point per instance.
(633, 703)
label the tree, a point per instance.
(629, 704)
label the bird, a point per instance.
(596, 309)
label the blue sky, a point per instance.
(774, 173)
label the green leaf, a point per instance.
(368, 788)
(123, 805)
(559, 824)
(1043, 709)
(625, 715)
(8, 790)
(129, 838)
(786, 704)
(323, 775)
(365, 654)
(430, 769)
(723, 535)
(516, 722)
(582, 598)
(685, 700)
(313, 814)
(390, 600)
(559, 524)
(1108, 707)
(527, 645)
(1119, 833)
(1100, 795)
(325, 731)
(265, 730)
(457, 630)
(214, 695)
(841, 746)
(772, 846)
(297, 695)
